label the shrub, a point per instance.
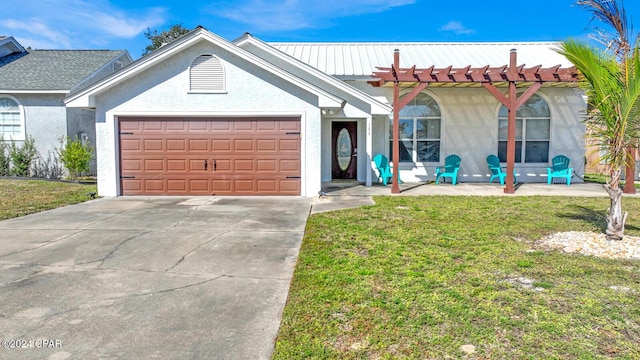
(22, 157)
(75, 155)
(5, 160)
(49, 168)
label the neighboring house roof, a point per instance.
(86, 97)
(312, 74)
(357, 60)
(9, 45)
(54, 70)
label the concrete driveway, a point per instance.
(146, 278)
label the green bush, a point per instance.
(5, 160)
(75, 155)
(22, 157)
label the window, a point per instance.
(206, 74)
(533, 130)
(419, 131)
(10, 124)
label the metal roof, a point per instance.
(362, 59)
(51, 69)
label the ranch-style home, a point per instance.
(207, 116)
(33, 84)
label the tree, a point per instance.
(610, 75)
(75, 155)
(161, 38)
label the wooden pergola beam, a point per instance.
(486, 76)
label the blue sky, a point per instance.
(120, 24)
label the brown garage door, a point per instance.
(210, 156)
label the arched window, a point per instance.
(207, 74)
(10, 123)
(533, 132)
(420, 123)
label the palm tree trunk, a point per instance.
(615, 217)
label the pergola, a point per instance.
(512, 77)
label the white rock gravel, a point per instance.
(592, 243)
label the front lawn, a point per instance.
(23, 197)
(420, 277)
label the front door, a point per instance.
(344, 150)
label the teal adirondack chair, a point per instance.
(384, 170)
(450, 169)
(559, 168)
(493, 162)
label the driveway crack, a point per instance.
(194, 250)
(117, 247)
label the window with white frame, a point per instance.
(533, 132)
(419, 131)
(207, 74)
(10, 124)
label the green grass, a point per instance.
(23, 197)
(418, 277)
(602, 179)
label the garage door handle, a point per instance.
(205, 165)
(215, 165)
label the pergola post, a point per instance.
(509, 188)
(395, 188)
(630, 173)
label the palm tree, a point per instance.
(610, 75)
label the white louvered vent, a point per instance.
(207, 74)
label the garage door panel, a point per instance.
(179, 125)
(244, 156)
(176, 145)
(131, 185)
(222, 166)
(177, 185)
(266, 165)
(154, 165)
(198, 126)
(154, 185)
(221, 186)
(197, 165)
(152, 125)
(243, 145)
(131, 145)
(290, 166)
(289, 125)
(243, 166)
(152, 145)
(176, 165)
(289, 145)
(199, 185)
(132, 165)
(242, 125)
(267, 145)
(267, 125)
(289, 186)
(221, 145)
(198, 145)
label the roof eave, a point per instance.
(324, 98)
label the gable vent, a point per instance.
(207, 74)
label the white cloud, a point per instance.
(276, 15)
(457, 28)
(67, 24)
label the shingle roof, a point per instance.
(51, 69)
(361, 59)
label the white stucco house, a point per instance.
(33, 84)
(207, 116)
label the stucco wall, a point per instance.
(164, 90)
(470, 130)
(45, 120)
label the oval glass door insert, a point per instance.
(343, 149)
